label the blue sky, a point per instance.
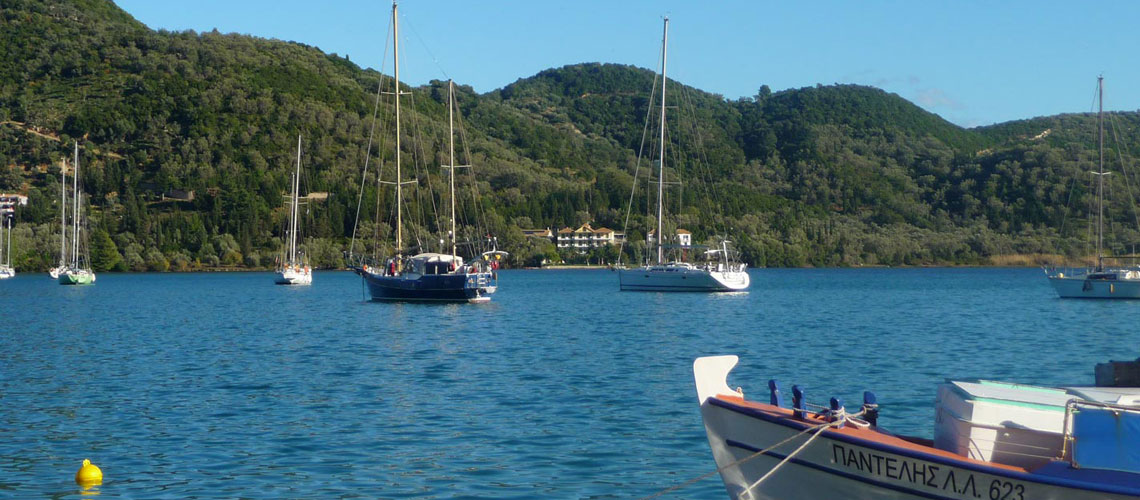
(972, 62)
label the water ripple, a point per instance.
(223, 385)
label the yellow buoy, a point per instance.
(89, 474)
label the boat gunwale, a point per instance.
(781, 416)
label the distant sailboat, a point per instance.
(719, 273)
(1098, 282)
(78, 271)
(292, 270)
(428, 276)
(59, 269)
(6, 269)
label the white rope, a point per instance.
(840, 417)
(816, 428)
(748, 491)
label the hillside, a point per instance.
(826, 175)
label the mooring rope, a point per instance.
(840, 418)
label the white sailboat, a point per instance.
(6, 269)
(719, 273)
(293, 270)
(77, 271)
(57, 270)
(1098, 282)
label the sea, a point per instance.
(223, 385)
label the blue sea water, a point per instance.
(224, 385)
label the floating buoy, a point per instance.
(89, 474)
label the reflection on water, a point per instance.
(225, 385)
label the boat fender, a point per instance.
(89, 474)
(1086, 286)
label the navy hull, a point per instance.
(430, 287)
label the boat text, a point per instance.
(925, 474)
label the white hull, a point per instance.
(295, 276)
(1080, 288)
(682, 279)
(6, 272)
(838, 466)
(855, 463)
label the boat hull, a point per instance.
(76, 278)
(840, 465)
(294, 277)
(7, 272)
(474, 287)
(670, 279)
(818, 458)
(1080, 288)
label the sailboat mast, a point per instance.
(75, 212)
(451, 150)
(396, 94)
(1100, 173)
(293, 218)
(63, 214)
(661, 164)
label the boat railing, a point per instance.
(1073, 407)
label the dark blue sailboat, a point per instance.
(432, 277)
(429, 277)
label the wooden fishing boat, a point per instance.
(992, 441)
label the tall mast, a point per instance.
(396, 94)
(661, 164)
(75, 212)
(63, 215)
(9, 252)
(451, 150)
(293, 218)
(1100, 173)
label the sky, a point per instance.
(972, 62)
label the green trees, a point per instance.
(104, 254)
(822, 176)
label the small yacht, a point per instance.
(78, 271)
(292, 270)
(6, 269)
(720, 272)
(1099, 281)
(428, 276)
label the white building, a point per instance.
(684, 238)
(585, 237)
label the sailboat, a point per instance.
(428, 276)
(6, 269)
(292, 270)
(57, 270)
(719, 273)
(76, 272)
(1098, 282)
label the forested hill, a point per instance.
(826, 175)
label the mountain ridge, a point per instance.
(824, 175)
